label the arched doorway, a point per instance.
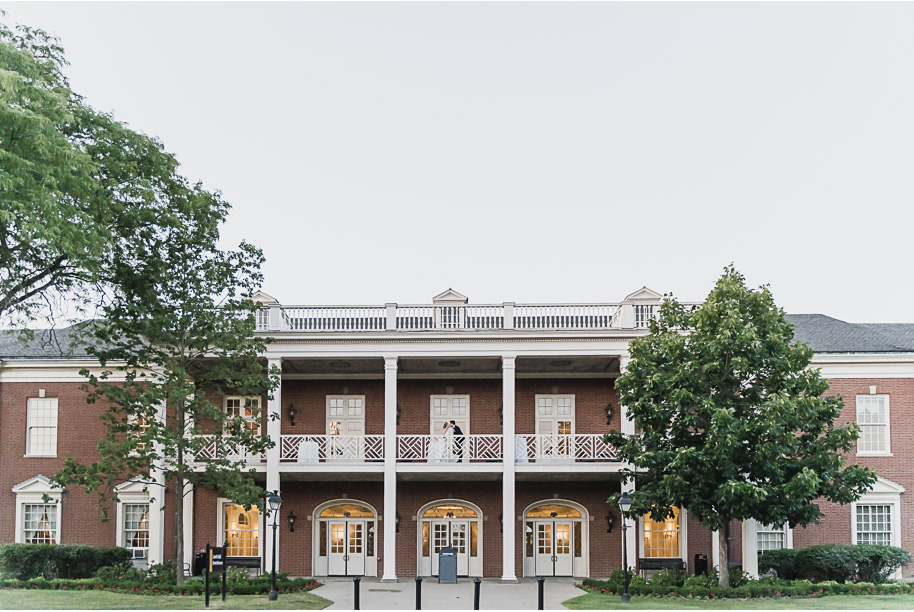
(555, 539)
(453, 523)
(344, 539)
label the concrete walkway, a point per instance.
(493, 595)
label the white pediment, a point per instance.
(450, 296)
(886, 486)
(132, 486)
(38, 484)
(264, 298)
(643, 295)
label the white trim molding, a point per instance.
(33, 491)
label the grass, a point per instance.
(597, 601)
(22, 599)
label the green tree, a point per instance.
(177, 338)
(731, 423)
(74, 183)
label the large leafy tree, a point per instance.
(74, 183)
(175, 339)
(731, 422)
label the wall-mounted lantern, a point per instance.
(291, 519)
(291, 412)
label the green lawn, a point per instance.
(596, 601)
(21, 599)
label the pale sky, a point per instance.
(531, 152)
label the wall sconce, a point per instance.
(501, 415)
(609, 413)
(291, 519)
(610, 521)
(398, 414)
(501, 522)
(397, 521)
(291, 412)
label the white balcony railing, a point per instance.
(450, 449)
(321, 449)
(234, 452)
(556, 448)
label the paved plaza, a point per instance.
(377, 595)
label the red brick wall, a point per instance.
(310, 400)
(590, 399)
(414, 399)
(79, 429)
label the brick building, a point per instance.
(377, 486)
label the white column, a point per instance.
(390, 470)
(628, 425)
(750, 547)
(507, 491)
(157, 506)
(189, 524)
(631, 534)
(715, 550)
(274, 431)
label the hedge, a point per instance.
(754, 589)
(50, 561)
(191, 586)
(838, 562)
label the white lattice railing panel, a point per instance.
(235, 452)
(321, 448)
(555, 448)
(450, 449)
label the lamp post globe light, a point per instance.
(274, 501)
(625, 504)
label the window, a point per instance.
(242, 531)
(37, 520)
(771, 537)
(41, 439)
(873, 418)
(247, 408)
(345, 415)
(661, 538)
(874, 524)
(139, 425)
(40, 524)
(136, 529)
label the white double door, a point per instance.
(453, 533)
(555, 427)
(553, 548)
(447, 408)
(347, 551)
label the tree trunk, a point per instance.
(724, 544)
(179, 528)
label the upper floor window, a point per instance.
(661, 538)
(873, 418)
(248, 408)
(41, 437)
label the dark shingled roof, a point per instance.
(46, 344)
(827, 335)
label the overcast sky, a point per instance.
(531, 152)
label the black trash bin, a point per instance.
(447, 565)
(199, 563)
(701, 564)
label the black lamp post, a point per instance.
(274, 501)
(625, 504)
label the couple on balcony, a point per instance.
(449, 447)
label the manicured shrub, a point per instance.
(71, 561)
(780, 561)
(845, 563)
(672, 577)
(877, 563)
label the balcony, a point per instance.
(485, 448)
(233, 452)
(331, 449)
(420, 318)
(559, 449)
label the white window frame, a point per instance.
(258, 419)
(436, 431)
(32, 403)
(883, 493)
(32, 491)
(221, 503)
(888, 432)
(132, 493)
(554, 417)
(683, 537)
(785, 529)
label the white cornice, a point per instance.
(865, 365)
(58, 370)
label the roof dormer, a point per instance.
(450, 297)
